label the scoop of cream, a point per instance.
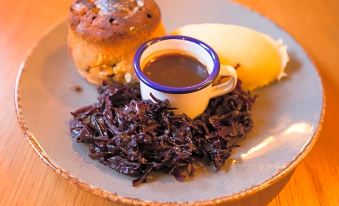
(261, 59)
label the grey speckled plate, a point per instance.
(287, 116)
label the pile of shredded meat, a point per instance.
(135, 137)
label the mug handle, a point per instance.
(229, 85)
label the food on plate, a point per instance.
(75, 88)
(176, 70)
(104, 35)
(135, 137)
(261, 59)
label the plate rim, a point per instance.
(114, 197)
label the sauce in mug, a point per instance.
(176, 70)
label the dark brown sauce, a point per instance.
(176, 70)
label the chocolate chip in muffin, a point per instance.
(111, 20)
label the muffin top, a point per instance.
(112, 20)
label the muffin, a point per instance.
(105, 34)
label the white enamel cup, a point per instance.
(194, 99)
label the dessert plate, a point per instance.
(287, 116)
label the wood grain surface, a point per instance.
(26, 180)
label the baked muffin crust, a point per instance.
(113, 20)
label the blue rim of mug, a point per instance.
(176, 90)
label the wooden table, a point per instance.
(26, 180)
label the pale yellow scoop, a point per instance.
(261, 59)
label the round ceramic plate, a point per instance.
(287, 116)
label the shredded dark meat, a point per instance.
(135, 137)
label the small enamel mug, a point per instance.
(191, 100)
